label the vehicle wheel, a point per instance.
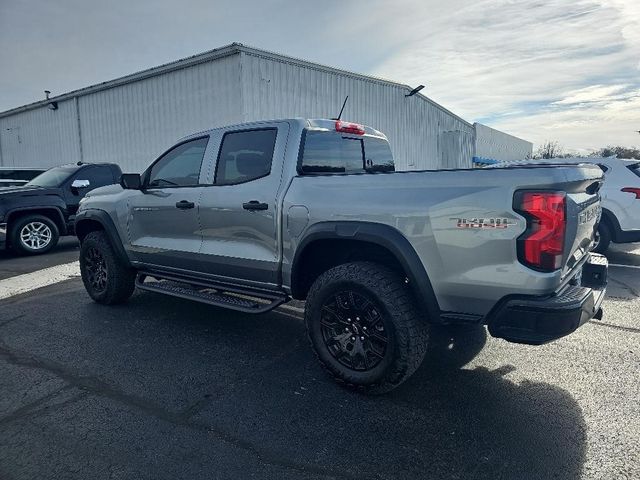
(34, 234)
(604, 238)
(364, 326)
(106, 278)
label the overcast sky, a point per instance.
(539, 69)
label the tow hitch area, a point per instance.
(537, 320)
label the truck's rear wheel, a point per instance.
(34, 234)
(364, 326)
(106, 278)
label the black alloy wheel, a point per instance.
(353, 330)
(365, 327)
(96, 268)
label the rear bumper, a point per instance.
(536, 320)
(3, 235)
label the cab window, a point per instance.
(180, 166)
(98, 176)
(245, 156)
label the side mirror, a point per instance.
(80, 184)
(131, 181)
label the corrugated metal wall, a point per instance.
(131, 122)
(496, 145)
(41, 137)
(134, 123)
(280, 89)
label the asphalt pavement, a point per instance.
(166, 388)
(12, 264)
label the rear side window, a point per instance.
(328, 152)
(635, 168)
(245, 156)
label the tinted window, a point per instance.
(635, 168)
(333, 152)
(245, 156)
(54, 177)
(98, 176)
(604, 168)
(180, 166)
(378, 156)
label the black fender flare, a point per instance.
(103, 218)
(385, 236)
(61, 223)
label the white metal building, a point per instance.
(133, 119)
(493, 145)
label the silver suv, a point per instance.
(249, 216)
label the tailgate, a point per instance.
(583, 215)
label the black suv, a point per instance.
(34, 216)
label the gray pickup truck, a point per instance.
(249, 216)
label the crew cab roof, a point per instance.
(313, 123)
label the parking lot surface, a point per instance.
(12, 264)
(166, 388)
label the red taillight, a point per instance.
(348, 127)
(634, 190)
(541, 246)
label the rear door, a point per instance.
(162, 219)
(239, 213)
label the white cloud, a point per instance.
(594, 94)
(540, 69)
(552, 69)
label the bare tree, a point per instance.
(620, 152)
(549, 149)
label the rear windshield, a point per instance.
(332, 152)
(635, 168)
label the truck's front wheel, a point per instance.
(106, 278)
(364, 326)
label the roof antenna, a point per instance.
(342, 109)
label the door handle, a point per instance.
(255, 205)
(185, 205)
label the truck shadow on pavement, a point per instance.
(249, 387)
(265, 387)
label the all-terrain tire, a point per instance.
(34, 235)
(605, 238)
(393, 302)
(105, 276)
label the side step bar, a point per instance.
(219, 295)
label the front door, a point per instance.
(239, 212)
(163, 224)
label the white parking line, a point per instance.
(27, 282)
(624, 266)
